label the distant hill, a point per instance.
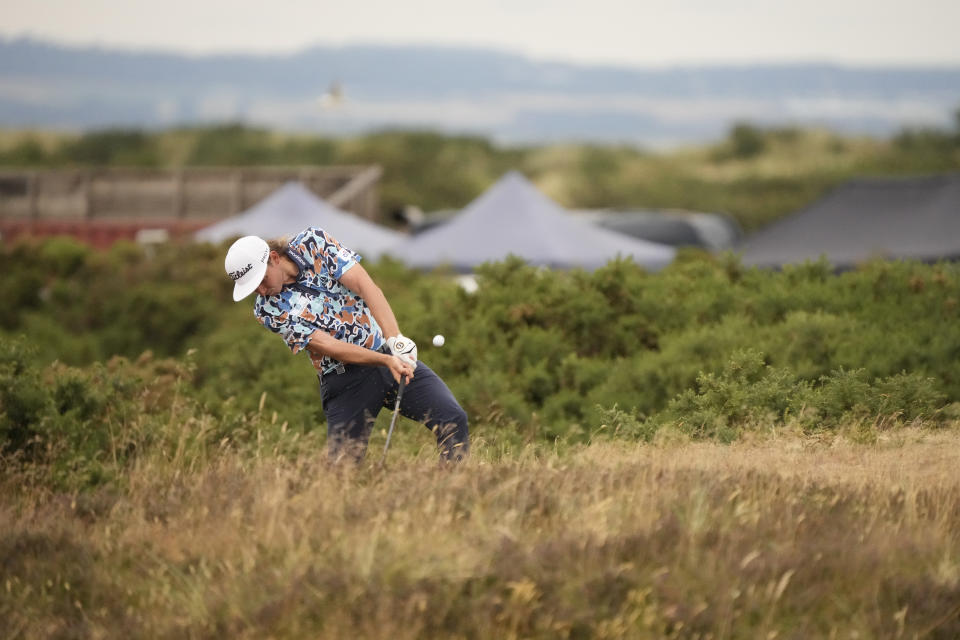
(344, 90)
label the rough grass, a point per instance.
(782, 536)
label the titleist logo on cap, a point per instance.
(236, 275)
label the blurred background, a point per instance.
(694, 124)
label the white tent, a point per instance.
(513, 217)
(291, 209)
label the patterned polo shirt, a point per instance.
(318, 301)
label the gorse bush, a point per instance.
(77, 420)
(744, 392)
(749, 392)
(130, 147)
(24, 400)
(86, 425)
(705, 347)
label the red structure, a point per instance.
(99, 206)
(97, 233)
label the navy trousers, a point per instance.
(353, 399)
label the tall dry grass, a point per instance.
(785, 537)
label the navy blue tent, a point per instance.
(903, 218)
(513, 217)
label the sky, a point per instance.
(646, 33)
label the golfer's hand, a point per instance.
(404, 348)
(400, 368)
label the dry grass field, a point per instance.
(784, 536)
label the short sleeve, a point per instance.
(326, 253)
(281, 321)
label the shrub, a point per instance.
(840, 394)
(910, 395)
(533, 352)
(113, 146)
(746, 391)
(63, 256)
(744, 141)
(25, 402)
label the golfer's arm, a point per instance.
(322, 343)
(359, 281)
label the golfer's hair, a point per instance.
(279, 244)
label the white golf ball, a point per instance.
(438, 340)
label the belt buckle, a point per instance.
(339, 369)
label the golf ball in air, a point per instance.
(438, 340)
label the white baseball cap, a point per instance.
(246, 264)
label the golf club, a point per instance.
(393, 420)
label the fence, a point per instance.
(103, 201)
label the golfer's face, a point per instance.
(272, 280)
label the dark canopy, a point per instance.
(906, 218)
(711, 231)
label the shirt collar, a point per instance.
(298, 260)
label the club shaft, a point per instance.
(393, 420)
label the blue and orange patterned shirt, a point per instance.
(318, 301)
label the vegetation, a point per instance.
(163, 475)
(755, 175)
(706, 348)
(709, 451)
(805, 538)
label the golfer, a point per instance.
(314, 293)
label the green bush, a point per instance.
(63, 256)
(85, 424)
(706, 344)
(24, 401)
(28, 152)
(746, 141)
(910, 395)
(745, 392)
(113, 146)
(841, 393)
